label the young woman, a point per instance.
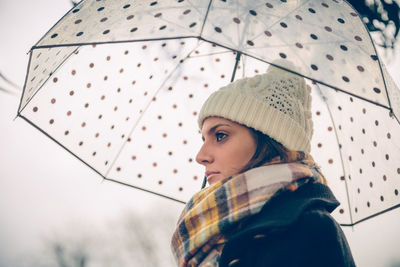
(268, 203)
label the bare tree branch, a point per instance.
(9, 82)
(4, 90)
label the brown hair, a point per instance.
(267, 149)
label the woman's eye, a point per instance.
(220, 136)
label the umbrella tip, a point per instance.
(16, 116)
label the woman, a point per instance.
(268, 203)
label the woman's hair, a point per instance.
(267, 149)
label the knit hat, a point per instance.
(277, 103)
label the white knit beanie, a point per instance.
(277, 103)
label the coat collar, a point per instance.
(286, 208)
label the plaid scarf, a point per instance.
(215, 211)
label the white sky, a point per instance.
(43, 187)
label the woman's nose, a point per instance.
(204, 156)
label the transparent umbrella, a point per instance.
(119, 84)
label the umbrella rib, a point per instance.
(373, 215)
(88, 165)
(299, 74)
(319, 43)
(177, 7)
(351, 94)
(26, 80)
(291, 45)
(116, 42)
(106, 42)
(279, 19)
(379, 62)
(144, 111)
(236, 64)
(394, 115)
(240, 36)
(320, 82)
(340, 152)
(211, 54)
(41, 86)
(205, 18)
(383, 76)
(57, 142)
(145, 190)
(66, 14)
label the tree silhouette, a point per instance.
(382, 16)
(130, 240)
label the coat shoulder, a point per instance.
(314, 240)
(323, 235)
(294, 230)
(318, 224)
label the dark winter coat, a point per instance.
(293, 229)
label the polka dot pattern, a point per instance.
(326, 40)
(99, 21)
(369, 144)
(129, 109)
(101, 123)
(43, 63)
(168, 130)
(322, 38)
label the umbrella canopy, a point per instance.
(119, 85)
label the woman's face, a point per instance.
(227, 148)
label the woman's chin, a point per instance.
(213, 178)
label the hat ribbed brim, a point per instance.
(252, 112)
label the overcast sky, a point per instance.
(43, 188)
